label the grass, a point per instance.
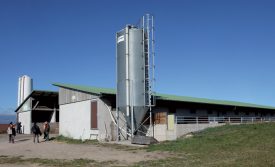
(74, 141)
(55, 162)
(229, 145)
(97, 143)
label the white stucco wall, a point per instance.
(161, 133)
(75, 121)
(25, 119)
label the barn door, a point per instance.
(94, 115)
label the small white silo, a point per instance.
(24, 114)
(24, 88)
(19, 92)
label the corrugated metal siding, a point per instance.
(70, 96)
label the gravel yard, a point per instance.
(25, 147)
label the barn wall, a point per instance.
(74, 120)
(25, 119)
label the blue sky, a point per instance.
(204, 48)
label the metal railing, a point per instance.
(204, 120)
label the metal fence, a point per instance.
(204, 120)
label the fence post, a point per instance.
(261, 119)
(241, 119)
(252, 119)
(229, 120)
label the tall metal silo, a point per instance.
(133, 75)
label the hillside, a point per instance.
(229, 145)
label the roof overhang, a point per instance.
(38, 93)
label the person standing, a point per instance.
(18, 127)
(9, 131)
(36, 132)
(46, 131)
(13, 133)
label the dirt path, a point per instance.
(24, 146)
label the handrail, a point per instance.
(201, 120)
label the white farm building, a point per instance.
(89, 113)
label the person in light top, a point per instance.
(46, 131)
(11, 132)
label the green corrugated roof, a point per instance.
(99, 91)
(210, 101)
(89, 89)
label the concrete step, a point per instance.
(143, 140)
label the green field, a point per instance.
(229, 145)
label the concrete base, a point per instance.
(143, 140)
(183, 129)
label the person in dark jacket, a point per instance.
(19, 128)
(36, 132)
(13, 133)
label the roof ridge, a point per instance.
(162, 96)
